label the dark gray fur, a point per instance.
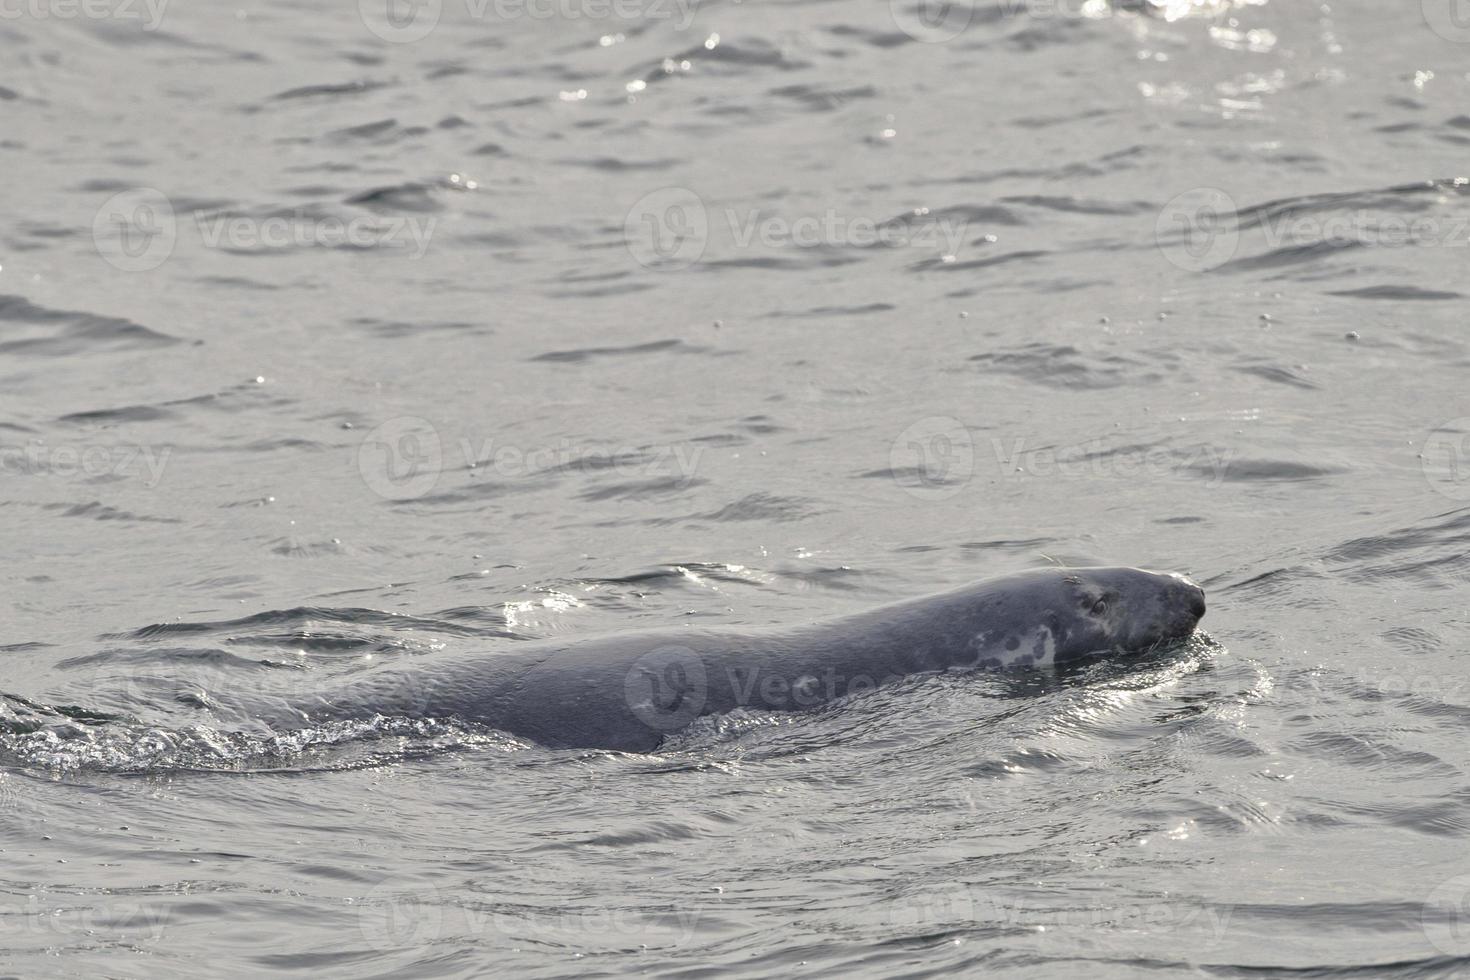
(629, 692)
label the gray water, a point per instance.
(332, 340)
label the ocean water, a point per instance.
(335, 336)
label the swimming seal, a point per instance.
(629, 692)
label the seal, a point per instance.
(629, 692)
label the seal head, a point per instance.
(1123, 610)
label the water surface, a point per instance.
(330, 340)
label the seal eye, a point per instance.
(1099, 607)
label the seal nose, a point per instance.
(1196, 600)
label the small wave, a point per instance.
(1432, 552)
(97, 511)
(721, 57)
(72, 332)
(687, 574)
(1406, 198)
(139, 413)
(1394, 291)
(584, 354)
(939, 264)
(329, 91)
(642, 490)
(381, 132)
(1413, 639)
(295, 547)
(816, 98)
(819, 256)
(414, 198)
(1076, 205)
(1277, 374)
(832, 311)
(1262, 469)
(1065, 366)
(613, 165)
(1290, 255)
(762, 507)
(308, 621)
(137, 749)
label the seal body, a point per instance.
(628, 692)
